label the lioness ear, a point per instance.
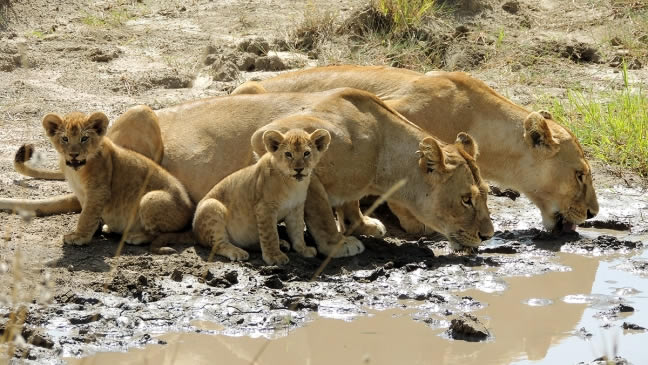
(272, 140)
(537, 132)
(321, 138)
(431, 156)
(52, 122)
(468, 143)
(99, 122)
(545, 114)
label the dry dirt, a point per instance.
(111, 55)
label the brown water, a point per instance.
(535, 320)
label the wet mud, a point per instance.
(100, 303)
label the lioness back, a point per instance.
(243, 209)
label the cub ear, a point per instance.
(468, 143)
(272, 140)
(537, 133)
(52, 122)
(431, 155)
(99, 122)
(321, 138)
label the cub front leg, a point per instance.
(89, 219)
(266, 217)
(318, 215)
(295, 227)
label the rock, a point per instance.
(511, 7)
(176, 275)
(103, 55)
(86, 319)
(632, 326)
(273, 282)
(468, 328)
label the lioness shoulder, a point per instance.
(243, 209)
(122, 188)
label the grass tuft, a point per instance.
(405, 14)
(613, 130)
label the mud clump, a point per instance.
(608, 224)
(632, 326)
(273, 282)
(217, 279)
(602, 243)
(512, 7)
(578, 52)
(467, 327)
(86, 319)
(604, 360)
(103, 54)
(257, 46)
(10, 57)
(171, 79)
(507, 193)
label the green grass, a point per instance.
(113, 18)
(614, 129)
(405, 14)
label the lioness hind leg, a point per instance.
(209, 229)
(354, 222)
(162, 212)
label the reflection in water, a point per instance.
(521, 331)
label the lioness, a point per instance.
(372, 147)
(526, 151)
(245, 207)
(111, 183)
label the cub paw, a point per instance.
(351, 246)
(76, 239)
(306, 251)
(235, 254)
(278, 258)
(371, 227)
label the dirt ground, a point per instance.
(110, 55)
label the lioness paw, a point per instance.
(76, 239)
(278, 258)
(306, 251)
(350, 247)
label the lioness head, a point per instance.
(76, 136)
(296, 152)
(455, 195)
(560, 177)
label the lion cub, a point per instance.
(114, 184)
(245, 207)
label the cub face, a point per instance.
(76, 136)
(296, 153)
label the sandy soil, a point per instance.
(110, 55)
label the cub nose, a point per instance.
(73, 155)
(484, 237)
(299, 170)
(590, 214)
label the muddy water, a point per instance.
(559, 317)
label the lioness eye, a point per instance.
(64, 139)
(84, 139)
(288, 155)
(467, 200)
(307, 153)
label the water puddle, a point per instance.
(558, 317)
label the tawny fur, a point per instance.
(372, 148)
(242, 211)
(523, 150)
(112, 184)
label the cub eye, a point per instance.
(64, 139)
(84, 139)
(307, 153)
(466, 200)
(288, 155)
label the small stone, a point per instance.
(176, 275)
(468, 328)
